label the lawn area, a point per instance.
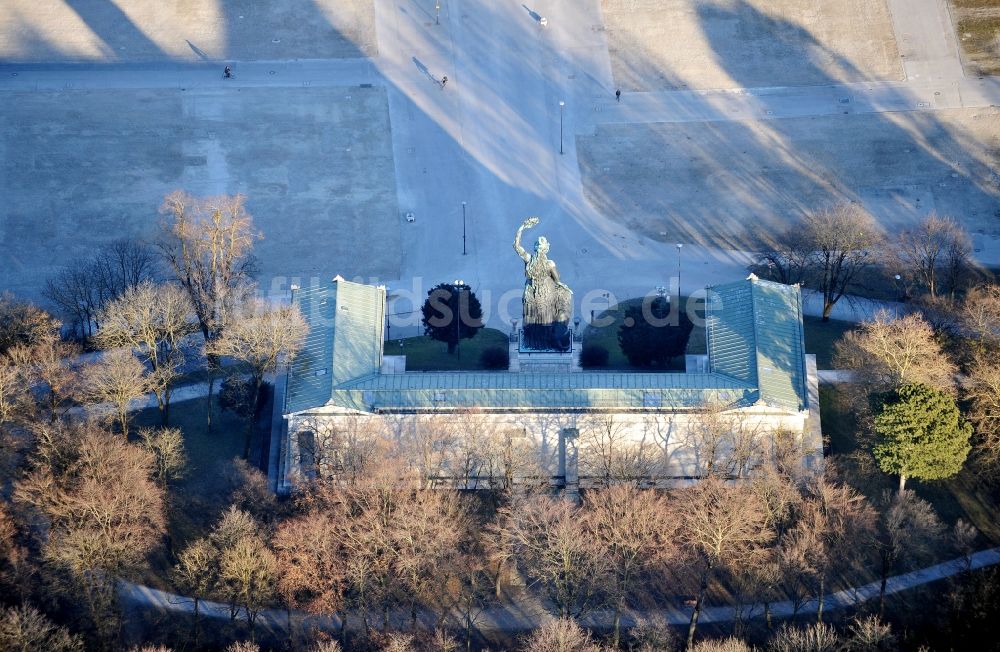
(606, 336)
(963, 496)
(196, 500)
(424, 354)
(978, 23)
(821, 336)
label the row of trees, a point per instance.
(831, 250)
(377, 546)
(85, 504)
(117, 303)
(927, 386)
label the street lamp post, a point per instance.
(679, 246)
(437, 12)
(562, 105)
(464, 252)
(459, 286)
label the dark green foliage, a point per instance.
(652, 334)
(494, 358)
(443, 304)
(237, 396)
(593, 356)
(921, 434)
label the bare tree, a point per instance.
(22, 323)
(470, 587)
(890, 351)
(208, 244)
(426, 533)
(818, 637)
(869, 633)
(502, 456)
(780, 499)
(652, 634)
(16, 401)
(963, 539)
(550, 542)
(81, 289)
(123, 264)
(25, 629)
(731, 644)
(828, 249)
(427, 445)
(634, 532)
(726, 442)
(197, 575)
(50, 364)
(261, 338)
(98, 516)
(937, 250)
(786, 257)
(248, 571)
(609, 455)
(560, 635)
(980, 314)
(167, 447)
(982, 391)
(833, 516)
(74, 292)
(908, 528)
(117, 378)
(798, 563)
(370, 553)
(152, 320)
(340, 453)
(717, 525)
(310, 561)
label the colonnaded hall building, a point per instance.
(756, 383)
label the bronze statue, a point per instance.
(547, 302)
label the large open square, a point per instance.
(671, 44)
(81, 168)
(734, 183)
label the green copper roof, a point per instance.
(755, 349)
(540, 391)
(754, 332)
(345, 340)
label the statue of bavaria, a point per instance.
(547, 302)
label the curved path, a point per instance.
(521, 617)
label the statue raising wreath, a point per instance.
(548, 302)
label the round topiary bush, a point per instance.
(593, 356)
(494, 357)
(653, 333)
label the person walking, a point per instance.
(618, 95)
(444, 80)
(227, 73)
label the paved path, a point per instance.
(522, 617)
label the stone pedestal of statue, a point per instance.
(529, 360)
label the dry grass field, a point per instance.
(978, 25)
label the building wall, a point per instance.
(451, 447)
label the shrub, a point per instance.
(494, 357)
(593, 355)
(818, 637)
(654, 333)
